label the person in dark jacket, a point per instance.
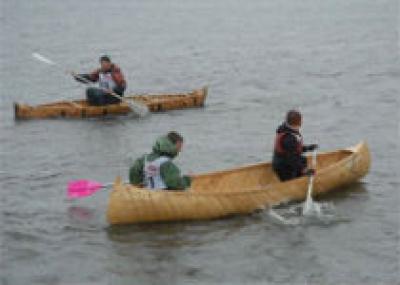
(156, 170)
(288, 161)
(111, 80)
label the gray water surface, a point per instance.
(337, 61)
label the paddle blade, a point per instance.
(42, 58)
(139, 109)
(82, 188)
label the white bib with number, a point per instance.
(152, 173)
(106, 81)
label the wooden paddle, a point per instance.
(137, 108)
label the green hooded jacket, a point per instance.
(168, 170)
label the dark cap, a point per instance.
(105, 58)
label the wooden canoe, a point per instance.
(81, 109)
(235, 191)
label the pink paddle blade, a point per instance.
(82, 188)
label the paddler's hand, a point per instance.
(309, 172)
(108, 91)
(77, 76)
(312, 147)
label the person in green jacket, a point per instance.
(156, 170)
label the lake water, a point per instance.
(337, 61)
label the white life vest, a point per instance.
(152, 173)
(106, 81)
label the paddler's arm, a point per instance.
(119, 80)
(136, 172)
(118, 77)
(85, 77)
(173, 178)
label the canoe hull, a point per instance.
(81, 109)
(129, 204)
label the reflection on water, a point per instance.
(80, 214)
(159, 252)
(177, 233)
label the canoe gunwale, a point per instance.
(260, 164)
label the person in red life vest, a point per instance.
(288, 161)
(111, 80)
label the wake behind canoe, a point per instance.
(81, 109)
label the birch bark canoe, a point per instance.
(235, 191)
(81, 109)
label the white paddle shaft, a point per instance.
(308, 202)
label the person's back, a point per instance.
(156, 170)
(288, 161)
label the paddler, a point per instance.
(288, 161)
(111, 80)
(156, 170)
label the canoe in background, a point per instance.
(81, 109)
(235, 191)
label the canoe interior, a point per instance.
(254, 177)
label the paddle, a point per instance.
(137, 108)
(308, 205)
(83, 188)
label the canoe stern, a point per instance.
(347, 171)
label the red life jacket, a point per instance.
(279, 143)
